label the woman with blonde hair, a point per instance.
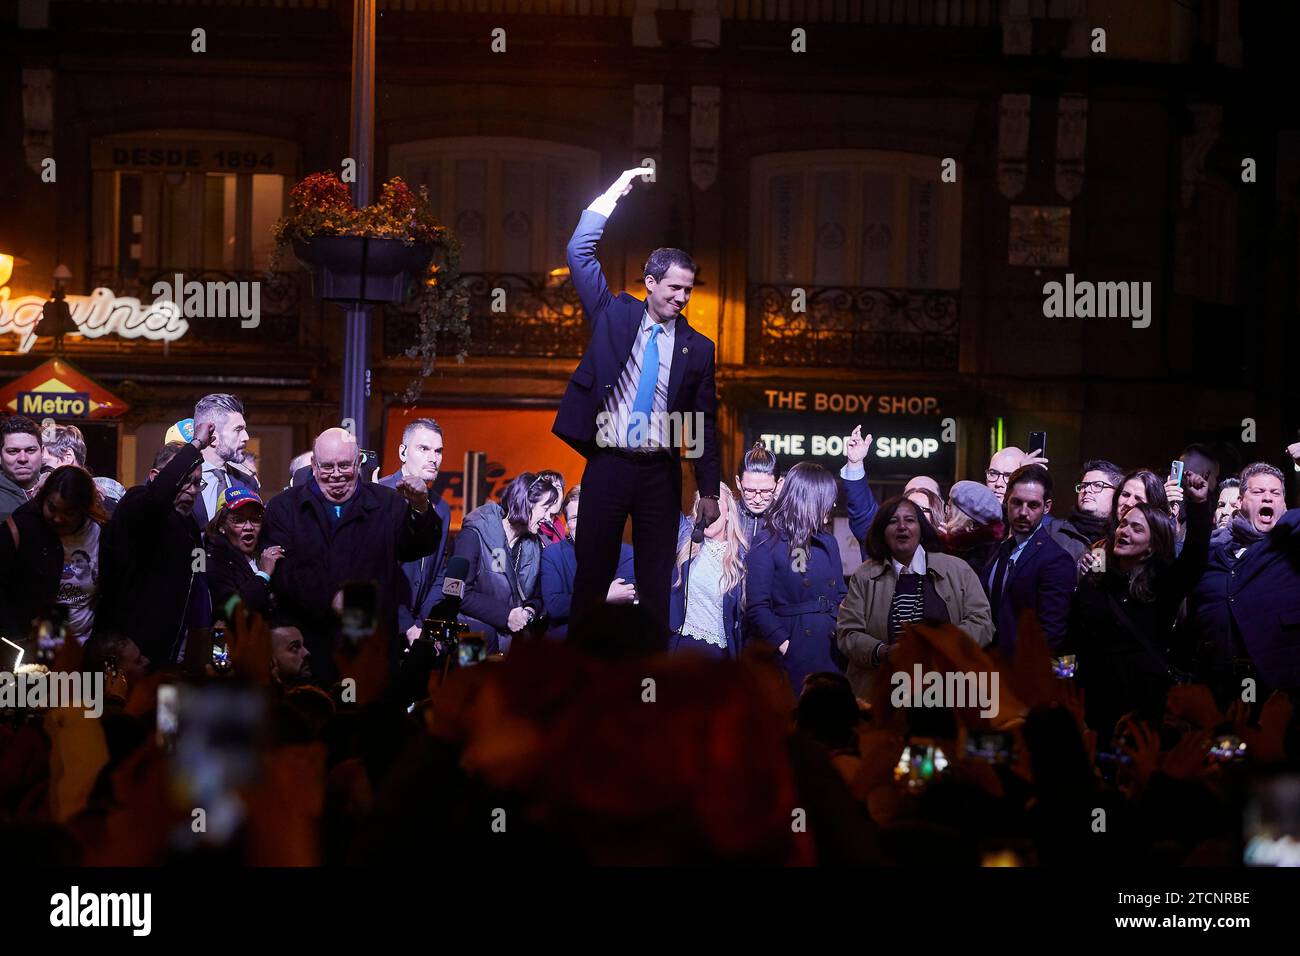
(708, 596)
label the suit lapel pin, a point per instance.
(685, 350)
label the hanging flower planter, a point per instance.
(384, 253)
(362, 269)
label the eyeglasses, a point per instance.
(994, 475)
(758, 493)
(1096, 487)
(342, 469)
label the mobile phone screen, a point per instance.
(991, 748)
(1270, 824)
(168, 715)
(472, 650)
(1176, 471)
(11, 655)
(1038, 441)
(217, 752)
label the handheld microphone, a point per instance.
(453, 590)
(697, 533)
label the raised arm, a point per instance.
(419, 530)
(1190, 564)
(584, 268)
(857, 493)
(160, 495)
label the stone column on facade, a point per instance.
(1013, 144)
(1071, 145)
(1017, 28)
(647, 123)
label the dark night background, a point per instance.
(825, 177)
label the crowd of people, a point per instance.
(1160, 616)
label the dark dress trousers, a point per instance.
(615, 484)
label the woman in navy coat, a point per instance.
(795, 580)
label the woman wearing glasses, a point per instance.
(1140, 486)
(503, 595)
(758, 486)
(707, 618)
(237, 565)
(795, 579)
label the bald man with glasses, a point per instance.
(337, 528)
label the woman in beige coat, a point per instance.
(906, 580)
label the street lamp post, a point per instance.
(362, 144)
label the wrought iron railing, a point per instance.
(852, 326)
(532, 316)
(281, 298)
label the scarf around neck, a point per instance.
(1092, 527)
(1243, 532)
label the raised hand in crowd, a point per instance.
(1196, 487)
(856, 448)
(1034, 457)
(415, 491)
(205, 433)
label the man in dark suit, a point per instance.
(1029, 570)
(421, 455)
(644, 386)
(1243, 615)
(224, 458)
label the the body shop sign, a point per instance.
(809, 425)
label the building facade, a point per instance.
(876, 193)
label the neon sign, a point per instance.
(96, 314)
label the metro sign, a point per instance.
(58, 389)
(69, 405)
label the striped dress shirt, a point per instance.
(618, 403)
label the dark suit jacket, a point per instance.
(614, 323)
(147, 572)
(238, 479)
(1042, 580)
(1252, 605)
(425, 574)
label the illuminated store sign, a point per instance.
(96, 314)
(58, 389)
(809, 425)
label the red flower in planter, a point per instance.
(323, 192)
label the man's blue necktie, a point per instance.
(645, 391)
